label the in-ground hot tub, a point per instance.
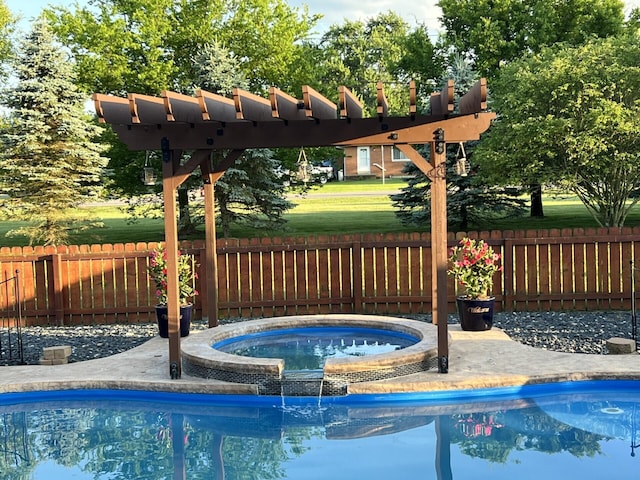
(415, 351)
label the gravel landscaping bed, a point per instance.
(574, 332)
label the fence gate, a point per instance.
(10, 321)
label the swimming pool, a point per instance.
(584, 430)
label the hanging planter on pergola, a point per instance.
(208, 123)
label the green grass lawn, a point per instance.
(335, 208)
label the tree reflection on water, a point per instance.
(120, 439)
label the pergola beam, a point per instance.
(365, 131)
(350, 106)
(216, 107)
(317, 106)
(251, 107)
(442, 102)
(286, 107)
(383, 105)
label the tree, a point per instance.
(571, 116)
(145, 46)
(50, 163)
(471, 200)
(249, 192)
(358, 55)
(496, 32)
(7, 26)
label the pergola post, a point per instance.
(211, 251)
(439, 250)
(169, 190)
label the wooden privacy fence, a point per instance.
(581, 269)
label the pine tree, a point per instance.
(250, 192)
(470, 200)
(49, 164)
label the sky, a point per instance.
(334, 11)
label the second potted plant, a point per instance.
(473, 264)
(186, 284)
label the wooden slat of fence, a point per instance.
(379, 299)
(520, 284)
(145, 295)
(96, 269)
(71, 285)
(267, 279)
(324, 285)
(404, 277)
(591, 258)
(555, 264)
(28, 280)
(603, 272)
(392, 278)
(350, 278)
(532, 270)
(427, 279)
(626, 256)
(119, 276)
(615, 271)
(334, 280)
(415, 278)
(312, 278)
(279, 282)
(290, 275)
(580, 273)
(108, 278)
(245, 283)
(302, 287)
(224, 283)
(567, 271)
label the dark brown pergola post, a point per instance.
(169, 187)
(439, 249)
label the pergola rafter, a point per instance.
(217, 130)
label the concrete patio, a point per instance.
(476, 360)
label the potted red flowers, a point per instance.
(473, 264)
(186, 284)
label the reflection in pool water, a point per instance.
(578, 430)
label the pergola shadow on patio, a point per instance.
(216, 130)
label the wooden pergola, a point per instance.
(216, 130)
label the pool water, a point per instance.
(307, 348)
(578, 430)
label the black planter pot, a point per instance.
(475, 315)
(163, 320)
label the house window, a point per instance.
(398, 156)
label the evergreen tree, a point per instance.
(249, 192)
(470, 200)
(49, 163)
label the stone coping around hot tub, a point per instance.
(197, 348)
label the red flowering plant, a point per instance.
(186, 275)
(473, 263)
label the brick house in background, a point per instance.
(368, 161)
